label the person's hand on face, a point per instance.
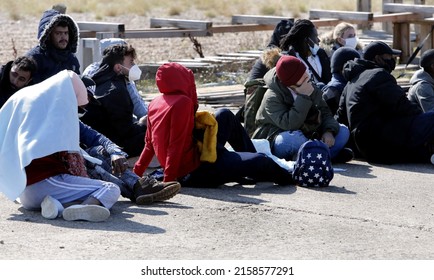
(303, 86)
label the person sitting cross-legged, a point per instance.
(40, 154)
(293, 111)
(385, 126)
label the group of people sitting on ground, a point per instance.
(65, 139)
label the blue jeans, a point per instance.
(104, 172)
(287, 143)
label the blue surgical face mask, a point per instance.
(314, 49)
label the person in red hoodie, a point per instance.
(198, 157)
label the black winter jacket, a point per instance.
(112, 113)
(6, 90)
(377, 111)
(50, 60)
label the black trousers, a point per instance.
(235, 166)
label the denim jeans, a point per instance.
(287, 143)
(104, 172)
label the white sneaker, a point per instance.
(51, 208)
(91, 213)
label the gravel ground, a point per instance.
(20, 36)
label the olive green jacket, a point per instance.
(280, 112)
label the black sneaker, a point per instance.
(345, 155)
(148, 190)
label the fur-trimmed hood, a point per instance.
(47, 23)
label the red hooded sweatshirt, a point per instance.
(170, 124)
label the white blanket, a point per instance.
(263, 146)
(36, 121)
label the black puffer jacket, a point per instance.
(377, 111)
(50, 60)
(112, 114)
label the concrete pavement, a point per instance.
(371, 212)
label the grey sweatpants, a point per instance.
(68, 188)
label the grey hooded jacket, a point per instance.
(421, 90)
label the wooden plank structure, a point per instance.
(89, 29)
(89, 49)
(228, 96)
(354, 17)
(400, 15)
(425, 22)
(401, 24)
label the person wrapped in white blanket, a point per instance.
(40, 162)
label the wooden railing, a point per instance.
(400, 15)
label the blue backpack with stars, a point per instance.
(313, 167)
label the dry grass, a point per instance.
(211, 8)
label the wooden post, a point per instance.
(426, 27)
(417, 28)
(364, 6)
(388, 26)
(401, 39)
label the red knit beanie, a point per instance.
(289, 70)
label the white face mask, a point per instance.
(351, 42)
(134, 73)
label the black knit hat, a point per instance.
(341, 56)
(378, 48)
